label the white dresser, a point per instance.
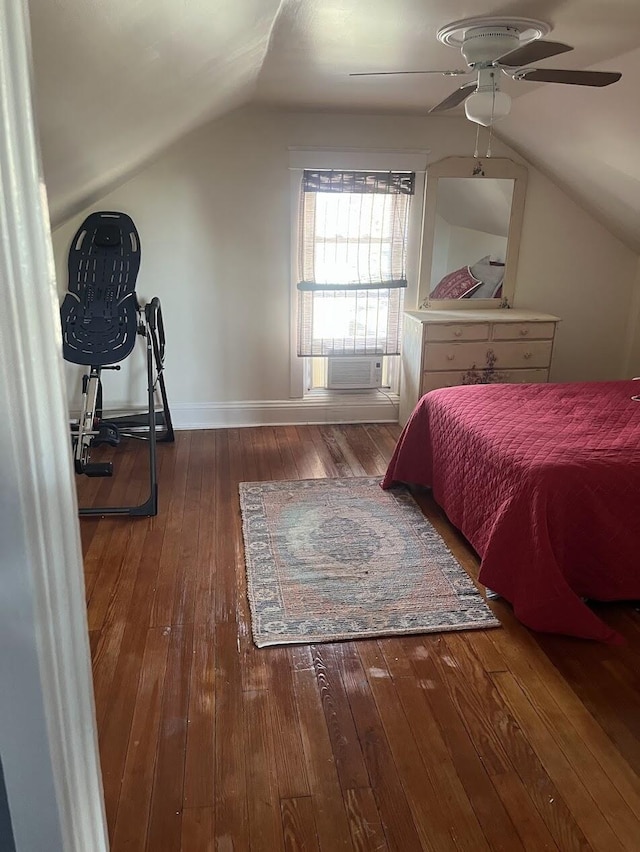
(445, 348)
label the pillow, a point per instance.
(455, 284)
(487, 272)
(484, 291)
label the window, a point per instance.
(352, 249)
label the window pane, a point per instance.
(355, 238)
(351, 239)
(350, 322)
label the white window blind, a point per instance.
(352, 255)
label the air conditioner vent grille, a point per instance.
(354, 373)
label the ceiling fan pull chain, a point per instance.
(475, 154)
(493, 110)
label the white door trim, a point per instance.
(47, 721)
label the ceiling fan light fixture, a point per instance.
(487, 107)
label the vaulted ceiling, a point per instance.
(117, 81)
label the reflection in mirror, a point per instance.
(470, 237)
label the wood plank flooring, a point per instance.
(479, 740)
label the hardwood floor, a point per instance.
(479, 740)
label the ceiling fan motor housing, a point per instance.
(483, 45)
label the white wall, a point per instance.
(213, 214)
(633, 356)
(571, 266)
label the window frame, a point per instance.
(353, 160)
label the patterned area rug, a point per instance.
(331, 559)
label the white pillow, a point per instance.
(484, 271)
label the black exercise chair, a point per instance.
(101, 320)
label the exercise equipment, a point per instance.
(101, 321)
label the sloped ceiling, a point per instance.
(480, 205)
(116, 81)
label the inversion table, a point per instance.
(101, 321)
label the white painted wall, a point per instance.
(633, 356)
(574, 268)
(213, 214)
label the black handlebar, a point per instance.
(153, 316)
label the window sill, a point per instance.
(380, 396)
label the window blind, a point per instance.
(352, 253)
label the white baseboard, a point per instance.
(328, 408)
(319, 408)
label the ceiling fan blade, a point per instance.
(572, 78)
(455, 98)
(533, 52)
(455, 73)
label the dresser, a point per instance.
(446, 348)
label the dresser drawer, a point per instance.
(464, 356)
(445, 379)
(523, 330)
(461, 356)
(457, 331)
(527, 354)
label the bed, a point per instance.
(543, 480)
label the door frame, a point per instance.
(48, 739)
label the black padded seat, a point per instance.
(100, 310)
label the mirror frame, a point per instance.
(465, 167)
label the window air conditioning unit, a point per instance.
(354, 373)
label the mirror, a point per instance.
(470, 238)
(473, 214)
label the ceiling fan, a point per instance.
(493, 47)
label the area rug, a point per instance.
(334, 559)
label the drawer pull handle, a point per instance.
(528, 354)
(458, 332)
(524, 331)
(450, 357)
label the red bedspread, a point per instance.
(544, 482)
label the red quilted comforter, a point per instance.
(544, 482)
